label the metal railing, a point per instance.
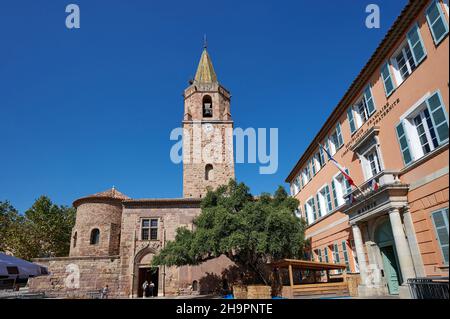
(429, 288)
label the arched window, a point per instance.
(207, 106)
(95, 236)
(195, 285)
(209, 172)
(75, 236)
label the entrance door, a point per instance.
(151, 274)
(391, 273)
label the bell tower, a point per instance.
(208, 159)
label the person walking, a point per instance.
(145, 289)
(104, 293)
(151, 287)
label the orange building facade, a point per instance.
(390, 133)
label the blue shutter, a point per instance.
(306, 214)
(322, 157)
(336, 254)
(369, 99)
(327, 147)
(333, 188)
(325, 252)
(439, 117)
(351, 119)
(440, 221)
(416, 44)
(339, 135)
(404, 143)
(319, 209)
(313, 206)
(328, 196)
(344, 250)
(437, 21)
(347, 184)
(387, 79)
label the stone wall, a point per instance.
(197, 142)
(136, 252)
(76, 277)
(106, 216)
(216, 142)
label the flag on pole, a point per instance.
(340, 168)
(374, 185)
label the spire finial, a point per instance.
(205, 41)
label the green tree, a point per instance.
(49, 228)
(249, 231)
(9, 219)
(43, 231)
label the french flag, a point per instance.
(374, 185)
(340, 168)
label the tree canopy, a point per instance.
(249, 231)
(43, 231)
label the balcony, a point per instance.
(382, 179)
(370, 200)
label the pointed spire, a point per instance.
(205, 71)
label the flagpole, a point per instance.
(330, 157)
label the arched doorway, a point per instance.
(144, 271)
(385, 241)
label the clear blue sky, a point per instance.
(82, 110)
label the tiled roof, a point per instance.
(112, 194)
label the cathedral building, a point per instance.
(115, 237)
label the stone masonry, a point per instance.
(108, 245)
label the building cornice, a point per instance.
(163, 203)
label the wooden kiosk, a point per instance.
(311, 278)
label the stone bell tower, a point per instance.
(208, 132)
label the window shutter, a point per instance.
(306, 214)
(439, 117)
(319, 254)
(369, 99)
(344, 250)
(436, 21)
(319, 208)
(327, 194)
(313, 205)
(351, 119)
(347, 184)
(325, 252)
(387, 79)
(313, 165)
(322, 156)
(339, 135)
(404, 143)
(336, 253)
(327, 147)
(416, 44)
(440, 221)
(333, 189)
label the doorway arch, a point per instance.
(144, 271)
